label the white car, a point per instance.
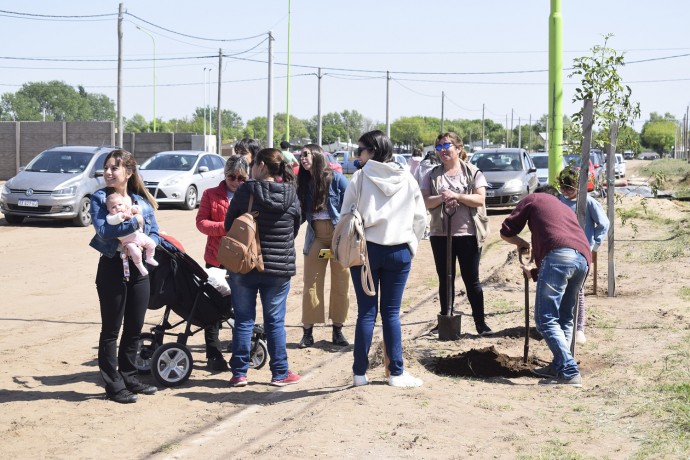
(620, 165)
(181, 176)
(541, 162)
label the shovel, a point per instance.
(449, 324)
(525, 353)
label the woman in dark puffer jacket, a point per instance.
(275, 199)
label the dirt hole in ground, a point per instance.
(484, 362)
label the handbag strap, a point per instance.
(251, 201)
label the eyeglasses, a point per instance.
(233, 177)
(359, 150)
(444, 146)
(306, 153)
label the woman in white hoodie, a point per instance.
(394, 216)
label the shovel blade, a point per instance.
(449, 327)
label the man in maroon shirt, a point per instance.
(562, 255)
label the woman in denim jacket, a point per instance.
(321, 191)
(123, 292)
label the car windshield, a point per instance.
(60, 162)
(575, 160)
(541, 162)
(503, 161)
(169, 163)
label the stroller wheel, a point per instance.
(171, 364)
(258, 354)
(147, 345)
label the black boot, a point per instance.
(307, 338)
(338, 337)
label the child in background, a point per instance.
(120, 209)
(596, 228)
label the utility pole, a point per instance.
(219, 129)
(120, 13)
(269, 116)
(506, 130)
(511, 127)
(529, 141)
(319, 122)
(519, 133)
(388, 96)
(482, 126)
(287, 104)
(204, 114)
(443, 100)
(555, 92)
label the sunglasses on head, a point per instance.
(444, 146)
(359, 150)
(233, 177)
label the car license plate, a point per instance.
(489, 193)
(28, 203)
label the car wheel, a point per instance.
(190, 198)
(14, 220)
(83, 218)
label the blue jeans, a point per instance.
(390, 266)
(273, 291)
(561, 276)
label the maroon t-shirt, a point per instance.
(553, 225)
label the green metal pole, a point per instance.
(555, 131)
(287, 105)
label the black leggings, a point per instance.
(123, 304)
(467, 253)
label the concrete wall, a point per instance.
(21, 141)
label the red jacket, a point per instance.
(210, 220)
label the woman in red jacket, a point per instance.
(210, 221)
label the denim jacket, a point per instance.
(106, 240)
(336, 192)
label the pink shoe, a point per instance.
(291, 379)
(239, 381)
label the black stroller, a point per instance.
(182, 286)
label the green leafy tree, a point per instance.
(601, 82)
(659, 135)
(137, 124)
(256, 129)
(56, 101)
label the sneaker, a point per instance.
(434, 330)
(404, 380)
(574, 381)
(426, 236)
(359, 380)
(546, 371)
(141, 388)
(291, 379)
(580, 338)
(238, 381)
(483, 330)
(123, 396)
(217, 364)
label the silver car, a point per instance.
(541, 162)
(510, 173)
(57, 184)
(181, 176)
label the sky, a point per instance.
(488, 53)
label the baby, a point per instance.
(120, 209)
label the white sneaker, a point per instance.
(580, 338)
(359, 380)
(405, 380)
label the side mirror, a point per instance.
(203, 169)
(532, 170)
(99, 173)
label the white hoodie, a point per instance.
(391, 204)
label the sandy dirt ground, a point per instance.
(53, 403)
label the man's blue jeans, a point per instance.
(273, 291)
(561, 276)
(390, 267)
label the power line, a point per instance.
(193, 36)
(54, 16)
